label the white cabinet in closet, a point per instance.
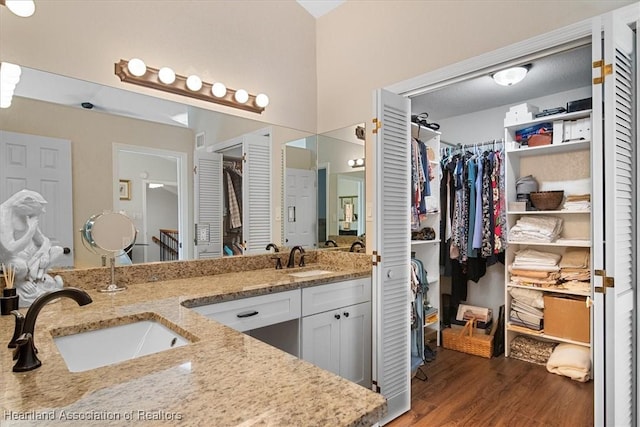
(557, 166)
(428, 250)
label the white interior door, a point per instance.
(41, 164)
(616, 217)
(208, 204)
(391, 346)
(256, 193)
(300, 208)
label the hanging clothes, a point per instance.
(421, 174)
(233, 195)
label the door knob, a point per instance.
(66, 251)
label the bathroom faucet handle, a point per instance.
(302, 264)
(17, 330)
(278, 262)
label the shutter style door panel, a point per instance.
(256, 193)
(392, 243)
(208, 204)
(619, 221)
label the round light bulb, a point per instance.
(22, 8)
(359, 162)
(351, 162)
(218, 90)
(262, 100)
(166, 75)
(241, 96)
(10, 72)
(137, 67)
(194, 83)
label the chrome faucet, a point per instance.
(355, 244)
(292, 257)
(22, 340)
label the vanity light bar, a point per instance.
(150, 77)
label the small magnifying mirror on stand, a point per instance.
(109, 234)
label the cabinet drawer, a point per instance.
(254, 312)
(321, 298)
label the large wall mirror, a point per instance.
(134, 153)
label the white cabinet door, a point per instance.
(355, 343)
(321, 340)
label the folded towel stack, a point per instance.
(535, 268)
(536, 228)
(526, 308)
(575, 269)
(580, 202)
(573, 361)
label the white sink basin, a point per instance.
(310, 273)
(102, 347)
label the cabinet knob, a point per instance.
(337, 316)
(346, 314)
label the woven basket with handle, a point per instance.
(468, 340)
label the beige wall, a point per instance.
(364, 45)
(92, 135)
(261, 46)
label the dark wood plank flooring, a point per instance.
(465, 390)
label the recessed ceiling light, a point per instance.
(511, 76)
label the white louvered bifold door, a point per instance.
(619, 142)
(391, 278)
(256, 193)
(208, 204)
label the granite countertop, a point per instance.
(223, 378)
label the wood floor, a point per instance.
(465, 390)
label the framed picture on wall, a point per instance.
(125, 189)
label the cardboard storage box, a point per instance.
(566, 316)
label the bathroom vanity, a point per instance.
(222, 376)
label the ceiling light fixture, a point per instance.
(191, 86)
(356, 163)
(511, 76)
(9, 78)
(21, 8)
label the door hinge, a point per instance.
(605, 70)
(375, 387)
(244, 157)
(375, 258)
(608, 282)
(377, 124)
(195, 170)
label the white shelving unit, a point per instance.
(555, 162)
(428, 251)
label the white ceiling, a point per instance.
(317, 8)
(551, 74)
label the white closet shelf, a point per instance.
(414, 129)
(565, 147)
(541, 334)
(424, 242)
(556, 212)
(579, 243)
(562, 116)
(554, 290)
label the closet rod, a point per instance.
(479, 144)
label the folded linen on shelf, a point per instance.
(570, 360)
(533, 256)
(575, 258)
(530, 297)
(537, 229)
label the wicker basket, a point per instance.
(468, 340)
(546, 200)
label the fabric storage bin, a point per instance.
(566, 316)
(468, 340)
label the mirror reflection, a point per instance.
(151, 143)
